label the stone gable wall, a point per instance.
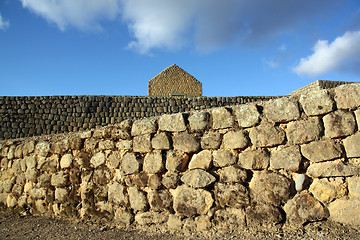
(266, 165)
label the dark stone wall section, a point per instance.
(29, 116)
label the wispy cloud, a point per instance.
(343, 54)
(3, 24)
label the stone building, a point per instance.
(175, 82)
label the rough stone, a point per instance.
(147, 218)
(174, 222)
(317, 103)
(339, 124)
(340, 211)
(144, 126)
(332, 169)
(117, 194)
(230, 217)
(106, 144)
(124, 145)
(114, 159)
(28, 148)
(266, 135)
(211, 140)
(232, 174)
(66, 160)
(287, 158)
(61, 194)
(224, 158)
(160, 201)
(59, 179)
(202, 223)
(231, 195)
(254, 159)
(304, 131)
(304, 208)
(351, 145)
(347, 96)
(154, 181)
(37, 193)
(270, 187)
(261, 217)
(91, 144)
(117, 133)
(326, 191)
(30, 162)
(11, 201)
(236, 140)
(176, 161)
(50, 164)
(186, 143)
(97, 160)
(221, 118)
(172, 123)
(161, 141)
(153, 162)
(130, 164)
(170, 179)
(42, 149)
(189, 202)
(31, 175)
(357, 116)
(123, 217)
(142, 143)
(324, 150)
(354, 186)
(198, 121)
(60, 146)
(137, 199)
(281, 110)
(198, 178)
(201, 160)
(246, 115)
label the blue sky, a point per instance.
(234, 47)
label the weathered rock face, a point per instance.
(317, 103)
(172, 123)
(153, 162)
(287, 158)
(351, 144)
(161, 141)
(234, 195)
(224, 158)
(266, 135)
(143, 126)
(345, 211)
(198, 178)
(230, 217)
(347, 96)
(186, 143)
(326, 191)
(254, 159)
(332, 169)
(247, 115)
(339, 124)
(304, 131)
(202, 160)
(319, 151)
(199, 120)
(221, 118)
(176, 161)
(281, 110)
(211, 140)
(236, 140)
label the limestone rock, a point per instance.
(260, 217)
(170, 179)
(199, 120)
(160, 201)
(211, 140)
(202, 223)
(117, 133)
(37, 193)
(339, 124)
(332, 169)
(287, 158)
(231, 195)
(176, 161)
(254, 159)
(270, 187)
(347, 96)
(304, 208)
(11, 201)
(114, 159)
(60, 146)
(186, 142)
(357, 116)
(247, 115)
(230, 217)
(61, 194)
(317, 103)
(161, 141)
(28, 148)
(137, 199)
(224, 158)
(144, 126)
(319, 151)
(66, 160)
(31, 175)
(189, 201)
(282, 109)
(221, 118)
(266, 135)
(304, 131)
(123, 217)
(236, 140)
(154, 181)
(147, 218)
(202, 160)
(345, 211)
(153, 162)
(326, 191)
(59, 179)
(91, 144)
(106, 144)
(124, 145)
(198, 178)
(172, 123)
(142, 143)
(232, 174)
(42, 149)
(97, 160)
(130, 164)
(117, 194)
(174, 222)
(351, 145)
(354, 186)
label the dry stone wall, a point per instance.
(267, 165)
(31, 116)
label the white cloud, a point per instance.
(3, 24)
(342, 54)
(82, 14)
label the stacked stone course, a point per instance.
(286, 164)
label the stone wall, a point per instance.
(266, 165)
(29, 116)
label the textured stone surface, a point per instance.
(246, 115)
(144, 126)
(130, 164)
(340, 211)
(351, 145)
(124, 145)
(160, 200)
(117, 194)
(176, 161)
(198, 178)
(189, 202)
(161, 141)
(339, 124)
(232, 174)
(254, 159)
(304, 131)
(186, 142)
(114, 159)
(317, 103)
(261, 217)
(231, 195)
(199, 120)
(230, 217)
(332, 169)
(106, 144)
(66, 161)
(347, 96)
(59, 179)
(266, 135)
(61, 194)
(147, 218)
(123, 217)
(172, 123)
(211, 140)
(170, 179)
(281, 110)
(221, 118)
(224, 158)
(137, 199)
(142, 143)
(354, 186)
(326, 191)
(97, 160)
(201, 160)
(319, 151)
(153, 162)
(42, 149)
(236, 140)
(287, 158)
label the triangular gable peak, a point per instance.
(174, 82)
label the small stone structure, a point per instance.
(175, 82)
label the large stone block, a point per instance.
(176, 160)
(304, 131)
(186, 142)
(246, 115)
(170, 179)
(287, 158)
(153, 162)
(42, 149)
(172, 123)
(347, 96)
(332, 169)
(97, 160)
(326, 191)
(345, 211)
(339, 124)
(324, 150)
(117, 194)
(201, 160)
(59, 179)
(231, 195)
(144, 126)
(281, 110)
(266, 135)
(232, 174)
(352, 144)
(130, 164)
(221, 118)
(236, 140)
(198, 178)
(114, 159)
(317, 103)
(142, 143)
(161, 141)
(160, 200)
(254, 159)
(199, 120)
(354, 186)
(211, 140)
(224, 157)
(137, 199)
